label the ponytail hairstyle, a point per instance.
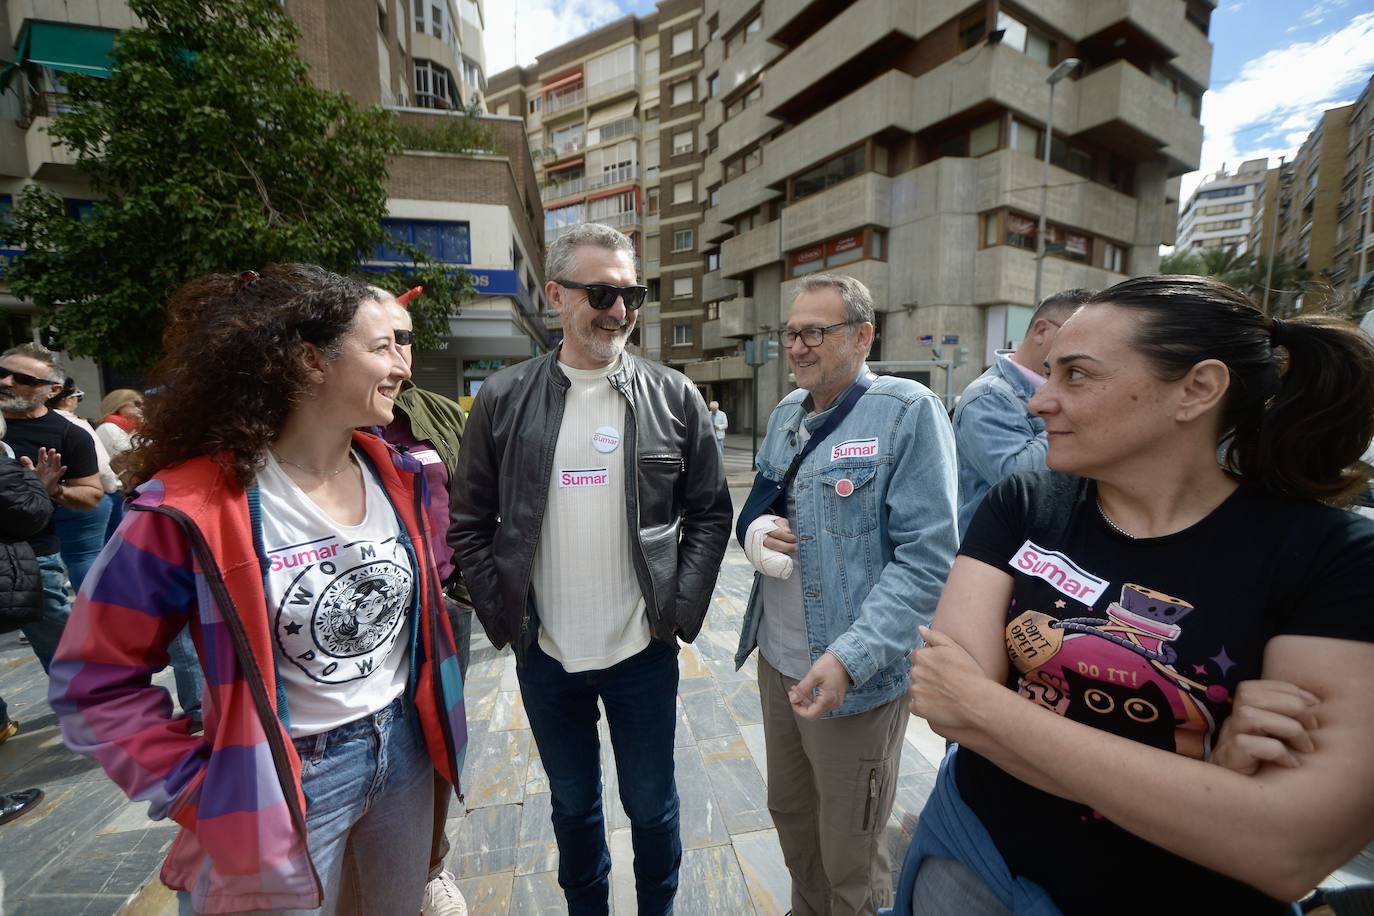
(1300, 409)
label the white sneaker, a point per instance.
(442, 897)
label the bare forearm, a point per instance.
(1263, 819)
(79, 497)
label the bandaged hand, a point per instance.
(770, 562)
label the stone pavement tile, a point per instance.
(912, 791)
(702, 824)
(538, 847)
(494, 773)
(536, 780)
(735, 782)
(706, 709)
(116, 864)
(45, 904)
(682, 736)
(920, 737)
(711, 884)
(742, 700)
(754, 740)
(765, 872)
(538, 893)
(623, 899)
(33, 846)
(488, 895)
(509, 713)
(690, 663)
(485, 842)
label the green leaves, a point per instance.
(209, 150)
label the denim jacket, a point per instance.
(872, 563)
(996, 433)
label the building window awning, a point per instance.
(562, 81)
(612, 113)
(65, 47)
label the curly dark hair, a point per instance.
(232, 369)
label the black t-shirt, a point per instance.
(1147, 639)
(52, 430)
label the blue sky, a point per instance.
(1276, 64)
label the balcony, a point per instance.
(604, 89)
(625, 127)
(1121, 107)
(737, 318)
(864, 200)
(714, 287)
(746, 192)
(569, 146)
(755, 248)
(712, 229)
(710, 336)
(557, 190)
(872, 274)
(46, 157)
(557, 103)
(627, 220)
(720, 369)
(1008, 178)
(1164, 23)
(1006, 274)
(620, 175)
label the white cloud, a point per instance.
(1280, 96)
(518, 31)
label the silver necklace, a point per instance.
(1113, 525)
(320, 474)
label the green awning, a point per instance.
(66, 47)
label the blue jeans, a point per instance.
(640, 699)
(186, 669)
(45, 632)
(82, 535)
(369, 790)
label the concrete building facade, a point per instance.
(1221, 212)
(614, 118)
(898, 141)
(422, 58)
(1352, 270)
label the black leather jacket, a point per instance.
(678, 508)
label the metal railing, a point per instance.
(614, 131)
(614, 84)
(555, 189)
(615, 176)
(557, 102)
(618, 220)
(570, 145)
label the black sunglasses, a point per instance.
(24, 378)
(602, 296)
(404, 338)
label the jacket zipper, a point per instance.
(657, 612)
(520, 647)
(872, 796)
(450, 749)
(271, 725)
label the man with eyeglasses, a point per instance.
(851, 524)
(994, 430)
(590, 518)
(64, 456)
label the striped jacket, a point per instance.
(191, 551)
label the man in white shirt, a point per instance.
(590, 517)
(719, 424)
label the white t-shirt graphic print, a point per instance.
(338, 599)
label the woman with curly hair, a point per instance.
(1089, 648)
(295, 548)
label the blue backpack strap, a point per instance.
(255, 519)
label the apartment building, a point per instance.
(898, 141)
(614, 118)
(1352, 268)
(1221, 212)
(422, 58)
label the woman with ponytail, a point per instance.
(1089, 650)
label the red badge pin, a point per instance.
(844, 487)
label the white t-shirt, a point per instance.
(591, 608)
(338, 599)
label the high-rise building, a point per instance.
(1352, 269)
(898, 141)
(422, 58)
(614, 118)
(1221, 212)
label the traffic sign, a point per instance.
(926, 340)
(950, 340)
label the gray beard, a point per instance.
(602, 349)
(16, 404)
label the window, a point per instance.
(983, 138)
(713, 261)
(1114, 257)
(683, 192)
(651, 59)
(741, 102)
(682, 287)
(381, 21)
(683, 240)
(713, 198)
(79, 210)
(713, 85)
(1065, 242)
(1020, 231)
(835, 252)
(682, 142)
(1029, 42)
(743, 35)
(682, 330)
(449, 242)
(611, 207)
(433, 85)
(989, 230)
(828, 173)
(1026, 139)
(681, 93)
(612, 71)
(651, 202)
(682, 42)
(535, 104)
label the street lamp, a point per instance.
(1058, 73)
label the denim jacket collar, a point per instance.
(814, 420)
(1013, 376)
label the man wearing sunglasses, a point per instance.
(851, 524)
(590, 517)
(29, 376)
(994, 430)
